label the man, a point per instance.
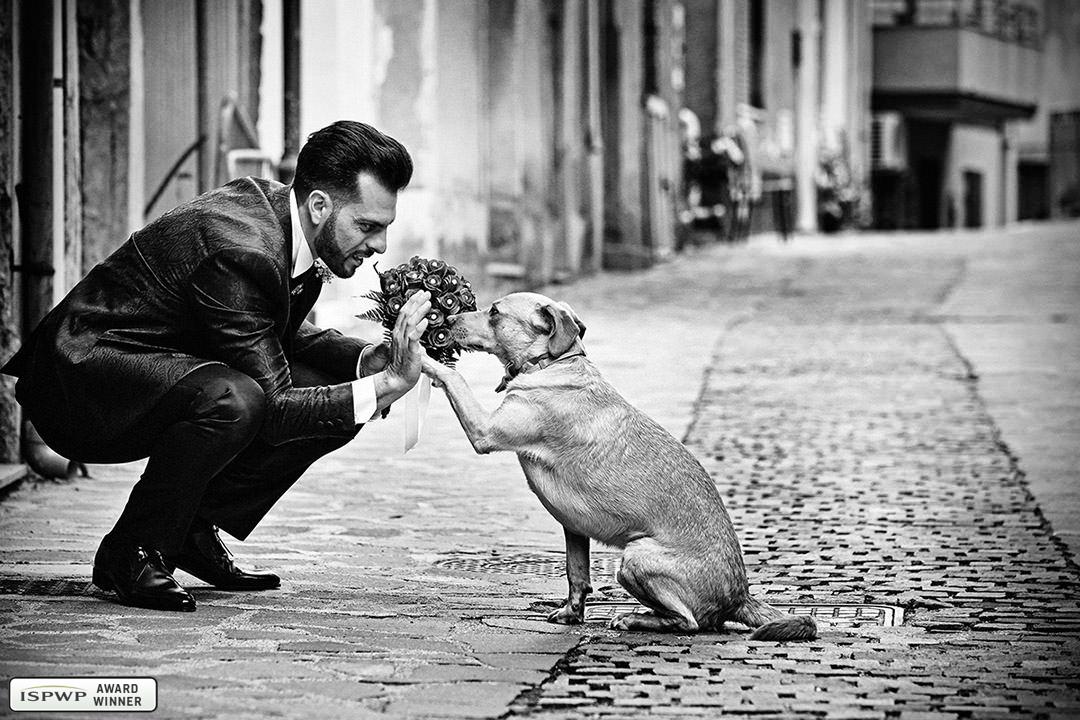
(189, 346)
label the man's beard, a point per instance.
(327, 249)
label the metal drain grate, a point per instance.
(553, 564)
(849, 615)
(837, 616)
(40, 587)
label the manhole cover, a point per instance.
(44, 587)
(839, 616)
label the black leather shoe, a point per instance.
(139, 577)
(206, 557)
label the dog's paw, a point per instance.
(566, 615)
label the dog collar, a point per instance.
(537, 363)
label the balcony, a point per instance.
(957, 60)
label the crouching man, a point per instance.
(189, 346)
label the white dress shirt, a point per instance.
(365, 404)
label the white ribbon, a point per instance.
(416, 406)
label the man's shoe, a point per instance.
(206, 557)
(138, 577)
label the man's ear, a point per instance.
(565, 327)
(320, 207)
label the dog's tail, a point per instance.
(772, 624)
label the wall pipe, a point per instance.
(44, 460)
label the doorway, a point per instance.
(928, 143)
(973, 199)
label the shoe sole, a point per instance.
(229, 587)
(103, 581)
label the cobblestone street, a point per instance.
(892, 421)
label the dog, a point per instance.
(608, 472)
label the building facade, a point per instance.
(793, 79)
(976, 111)
(544, 132)
(549, 136)
(1048, 146)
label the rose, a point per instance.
(438, 338)
(449, 302)
(435, 318)
(450, 293)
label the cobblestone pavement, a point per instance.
(819, 382)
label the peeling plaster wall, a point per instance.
(702, 29)
(477, 92)
(9, 333)
(420, 78)
(468, 92)
(104, 111)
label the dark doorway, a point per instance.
(928, 144)
(973, 204)
(928, 187)
(1034, 181)
(757, 53)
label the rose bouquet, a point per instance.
(450, 292)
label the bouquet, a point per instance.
(450, 294)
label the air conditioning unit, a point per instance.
(888, 142)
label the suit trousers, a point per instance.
(205, 459)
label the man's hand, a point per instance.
(374, 358)
(403, 370)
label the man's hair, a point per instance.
(332, 158)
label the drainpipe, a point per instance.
(34, 191)
(805, 60)
(44, 460)
(290, 34)
(40, 193)
(594, 136)
(205, 107)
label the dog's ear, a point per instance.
(574, 317)
(566, 327)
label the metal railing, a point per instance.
(228, 161)
(1013, 21)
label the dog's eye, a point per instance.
(494, 311)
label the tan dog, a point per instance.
(607, 471)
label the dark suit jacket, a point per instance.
(208, 281)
